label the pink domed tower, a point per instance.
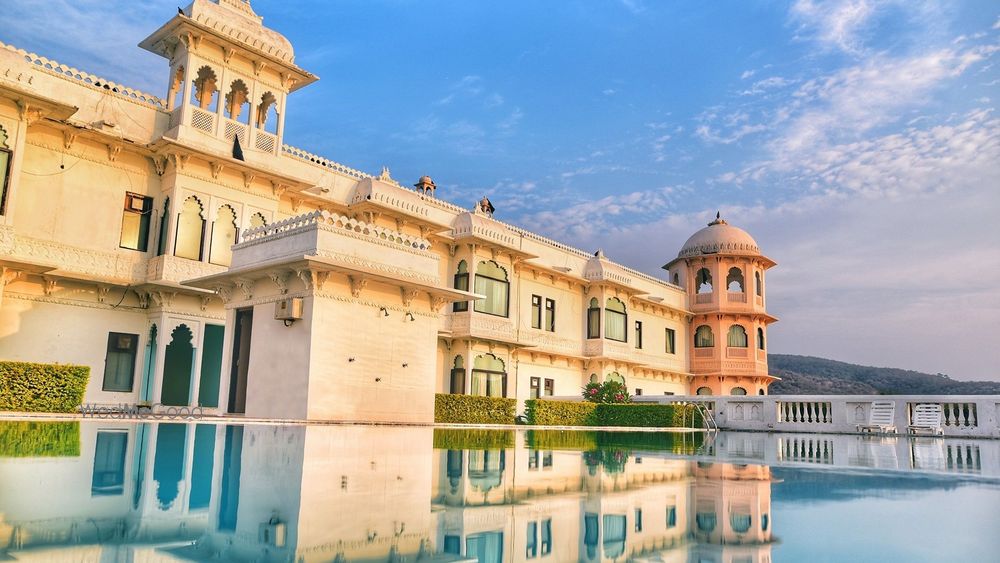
(723, 272)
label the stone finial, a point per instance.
(718, 220)
(600, 253)
(384, 175)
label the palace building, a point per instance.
(181, 249)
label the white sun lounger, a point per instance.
(927, 419)
(880, 418)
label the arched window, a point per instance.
(594, 319)
(236, 99)
(223, 236)
(174, 97)
(737, 337)
(763, 518)
(458, 376)
(258, 220)
(703, 337)
(491, 281)
(489, 377)
(706, 521)
(5, 157)
(760, 338)
(461, 283)
(737, 391)
(615, 320)
(740, 522)
(190, 230)
(760, 284)
(734, 281)
(161, 245)
(205, 87)
(677, 279)
(616, 377)
(593, 378)
(267, 116)
(704, 391)
(703, 281)
(760, 391)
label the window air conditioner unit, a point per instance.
(289, 309)
(136, 203)
(272, 532)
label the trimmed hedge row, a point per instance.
(39, 439)
(566, 413)
(28, 387)
(472, 409)
(472, 439)
(586, 440)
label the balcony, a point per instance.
(736, 297)
(174, 270)
(470, 324)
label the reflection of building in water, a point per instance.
(604, 505)
(170, 492)
(115, 491)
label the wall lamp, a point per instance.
(410, 316)
(385, 312)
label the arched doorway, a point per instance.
(704, 391)
(177, 364)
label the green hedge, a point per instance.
(472, 439)
(27, 387)
(589, 440)
(567, 413)
(39, 439)
(472, 409)
(561, 413)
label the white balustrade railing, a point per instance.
(324, 162)
(973, 457)
(333, 221)
(963, 415)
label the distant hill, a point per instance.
(806, 375)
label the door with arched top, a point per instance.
(177, 367)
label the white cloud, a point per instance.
(69, 29)
(747, 74)
(609, 91)
(835, 23)
(762, 86)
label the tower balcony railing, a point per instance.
(736, 297)
(703, 298)
(737, 352)
(235, 129)
(203, 120)
(704, 352)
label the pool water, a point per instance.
(111, 490)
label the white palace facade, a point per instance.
(184, 252)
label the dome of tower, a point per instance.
(236, 19)
(719, 237)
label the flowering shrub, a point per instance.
(609, 392)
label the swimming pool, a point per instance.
(109, 490)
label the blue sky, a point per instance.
(855, 139)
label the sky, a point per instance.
(856, 140)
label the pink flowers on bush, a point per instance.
(607, 392)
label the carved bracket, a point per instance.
(159, 164)
(48, 285)
(102, 292)
(246, 286)
(143, 298)
(113, 152)
(225, 292)
(69, 137)
(280, 279)
(205, 300)
(408, 296)
(217, 168)
(358, 284)
(278, 189)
